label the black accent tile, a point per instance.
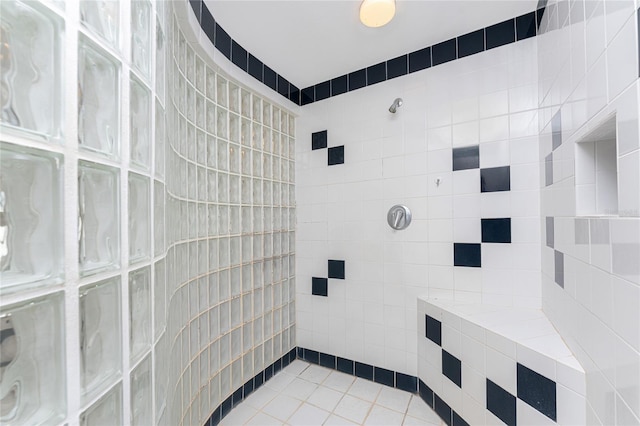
(558, 261)
(550, 231)
(425, 393)
(556, 130)
(300, 352)
(307, 95)
(248, 388)
(277, 366)
(457, 420)
(501, 403)
(258, 380)
(397, 66)
(537, 391)
(466, 158)
(526, 26)
(255, 67)
(294, 94)
(443, 52)
(319, 140)
(226, 407)
(237, 397)
(496, 230)
(383, 376)
(285, 360)
(196, 6)
(283, 86)
(327, 360)
(223, 41)
(319, 287)
(495, 179)
(208, 24)
(470, 44)
(539, 16)
(335, 155)
(336, 269)
(548, 170)
(420, 59)
(433, 330)
(269, 77)
(501, 34)
(467, 255)
(376, 73)
(239, 55)
(406, 382)
(323, 90)
(542, 4)
(364, 370)
(339, 85)
(215, 418)
(442, 409)
(357, 79)
(268, 372)
(452, 368)
(312, 356)
(345, 365)
(293, 355)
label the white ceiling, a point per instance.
(309, 42)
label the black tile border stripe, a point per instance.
(524, 26)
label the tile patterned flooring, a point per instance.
(307, 394)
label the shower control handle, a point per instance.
(399, 217)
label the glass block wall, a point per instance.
(146, 220)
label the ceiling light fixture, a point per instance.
(376, 13)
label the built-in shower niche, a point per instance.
(597, 171)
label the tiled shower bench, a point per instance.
(485, 364)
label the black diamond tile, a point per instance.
(537, 391)
(319, 140)
(495, 179)
(345, 365)
(458, 421)
(425, 393)
(383, 376)
(327, 360)
(470, 44)
(556, 130)
(283, 86)
(467, 255)
(406, 382)
(443, 52)
(501, 403)
(397, 66)
(420, 59)
(223, 41)
(496, 230)
(548, 170)
(442, 409)
(336, 269)
(466, 158)
(335, 155)
(452, 368)
(500, 34)
(526, 26)
(269, 77)
(323, 90)
(208, 24)
(550, 231)
(364, 370)
(357, 79)
(255, 67)
(433, 330)
(319, 286)
(558, 258)
(307, 95)
(239, 55)
(339, 85)
(376, 73)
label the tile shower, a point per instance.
(146, 220)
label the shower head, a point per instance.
(395, 105)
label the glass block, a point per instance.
(245, 132)
(284, 122)
(211, 84)
(221, 124)
(141, 36)
(256, 136)
(159, 297)
(98, 103)
(221, 91)
(275, 118)
(160, 141)
(257, 108)
(234, 189)
(32, 376)
(159, 217)
(266, 113)
(141, 394)
(212, 152)
(31, 69)
(139, 312)
(200, 74)
(234, 98)
(245, 190)
(98, 218)
(31, 241)
(107, 410)
(190, 69)
(100, 336)
(140, 125)
(266, 139)
(234, 128)
(139, 218)
(210, 120)
(200, 111)
(161, 52)
(234, 158)
(102, 18)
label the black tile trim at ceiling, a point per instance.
(506, 32)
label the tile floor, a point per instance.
(307, 394)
